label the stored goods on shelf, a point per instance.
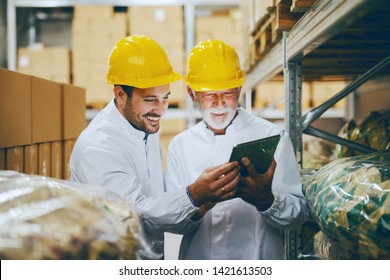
(317, 152)
(44, 218)
(374, 132)
(349, 200)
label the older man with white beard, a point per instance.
(250, 225)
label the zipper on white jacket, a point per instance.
(146, 153)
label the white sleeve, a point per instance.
(289, 210)
(174, 181)
(167, 212)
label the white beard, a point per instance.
(217, 123)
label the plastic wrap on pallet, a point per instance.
(45, 218)
(319, 248)
(350, 200)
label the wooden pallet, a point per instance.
(301, 6)
(269, 29)
(262, 37)
(284, 18)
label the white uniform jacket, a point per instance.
(111, 153)
(234, 229)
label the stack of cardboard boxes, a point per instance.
(52, 63)
(40, 121)
(313, 94)
(223, 26)
(95, 30)
(165, 25)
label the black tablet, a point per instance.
(260, 152)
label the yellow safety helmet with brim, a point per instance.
(213, 65)
(140, 62)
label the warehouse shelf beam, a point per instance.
(315, 113)
(71, 3)
(335, 139)
(324, 20)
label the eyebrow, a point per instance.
(155, 96)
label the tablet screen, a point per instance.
(260, 152)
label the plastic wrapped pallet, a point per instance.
(350, 200)
(373, 131)
(44, 218)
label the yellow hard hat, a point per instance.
(213, 65)
(140, 62)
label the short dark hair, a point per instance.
(127, 89)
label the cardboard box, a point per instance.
(99, 93)
(15, 109)
(324, 90)
(173, 126)
(31, 159)
(102, 12)
(46, 110)
(39, 63)
(44, 159)
(67, 152)
(2, 159)
(56, 160)
(73, 111)
(14, 158)
(165, 24)
(272, 93)
(167, 15)
(178, 94)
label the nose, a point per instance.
(219, 100)
(160, 108)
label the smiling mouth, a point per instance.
(153, 119)
(219, 115)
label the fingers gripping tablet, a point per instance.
(260, 152)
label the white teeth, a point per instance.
(153, 118)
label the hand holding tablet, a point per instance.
(260, 153)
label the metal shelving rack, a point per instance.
(322, 22)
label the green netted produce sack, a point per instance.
(373, 132)
(350, 200)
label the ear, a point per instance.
(190, 93)
(120, 96)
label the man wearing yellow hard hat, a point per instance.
(120, 149)
(250, 225)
